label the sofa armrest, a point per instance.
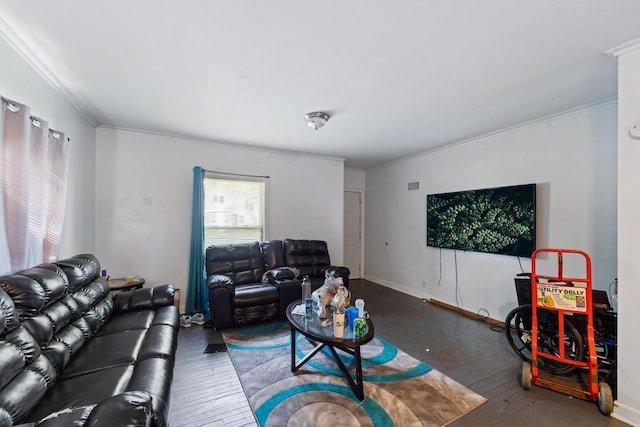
(221, 294)
(145, 298)
(217, 281)
(289, 290)
(126, 409)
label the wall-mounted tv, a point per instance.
(498, 220)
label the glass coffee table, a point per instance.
(323, 337)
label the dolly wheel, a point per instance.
(526, 375)
(605, 398)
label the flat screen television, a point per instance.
(498, 220)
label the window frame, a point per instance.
(246, 178)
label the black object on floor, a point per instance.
(215, 348)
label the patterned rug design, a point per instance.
(400, 390)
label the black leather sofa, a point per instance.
(71, 353)
(256, 281)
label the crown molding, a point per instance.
(251, 147)
(523, 125)
(621, 49)
(40, 67)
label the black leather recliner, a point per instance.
(311, 258)
(308, 258)
(256, 281)
(237, 294)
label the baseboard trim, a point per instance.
(392, 285)
(467, 313)
(408, 291)
(625, 413)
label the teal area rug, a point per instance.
(399, 390)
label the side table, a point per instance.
(121, 285)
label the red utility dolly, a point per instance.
(568, 297)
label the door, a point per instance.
(352, 234)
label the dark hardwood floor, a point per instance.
(206, 390)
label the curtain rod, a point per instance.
(15, 107)
(237, 174)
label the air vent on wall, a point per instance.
(413, 186)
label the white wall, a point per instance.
(354, 179)
(20, 82)
(627, 406)
(572, 158)
(144, 189)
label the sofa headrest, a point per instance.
(305, 247)
(310, 257)
(273, 256)
(80, 269)
(240, 261)
(35, 288)
(8, 315)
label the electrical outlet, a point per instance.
(424, 284)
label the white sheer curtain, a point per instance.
(33, 166)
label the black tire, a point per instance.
(519, 336)
(517, 327)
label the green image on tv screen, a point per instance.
(496, 220)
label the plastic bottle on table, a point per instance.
(306, 288)
(360, 306)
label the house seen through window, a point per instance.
(233, 209)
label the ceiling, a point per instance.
(397, 77)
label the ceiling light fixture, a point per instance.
(316, 119)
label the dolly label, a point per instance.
(562, 297)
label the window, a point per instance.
(234, 209)
(210, 218)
